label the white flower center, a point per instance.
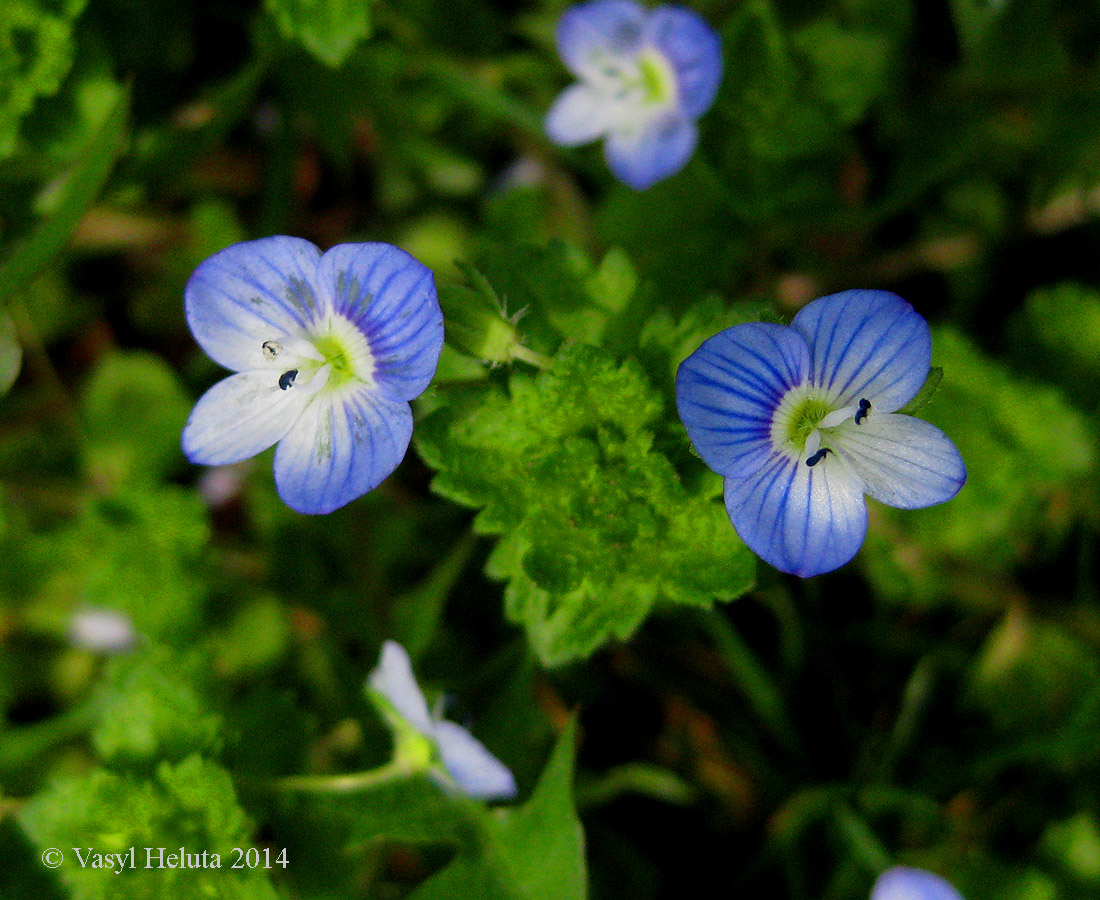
(806, 422)
(635, 89)
(334, 355)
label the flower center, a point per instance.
(658, 81)
(804, 421)
(344, 349)
(334, 355)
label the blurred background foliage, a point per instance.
(551, 550)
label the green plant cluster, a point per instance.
(680, 718)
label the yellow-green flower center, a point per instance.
(801, 421)
(344, 349)
(658, 79)
(338, 356)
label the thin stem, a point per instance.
(865, 846)
(533, 357)
(38, 360)
(395, 770)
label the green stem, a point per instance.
(395, 770)
(755, 682)
(533, 357)
(865, 846)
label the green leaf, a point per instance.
(1075, 845)
(329, 29)
(596, 524)
(11, 354)
(925, 394)
(531, 852)
(139, 552)
(36, 53)
(74, 195)
(154, 709)
(124, 447)
(191, 804)
(848, 68)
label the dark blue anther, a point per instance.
(817, 457)
(287, 378)
(864, 408)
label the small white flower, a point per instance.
(644, 77)
(464, 758)
(102, 631)
(328, 350)
(802, 421)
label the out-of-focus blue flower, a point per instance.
(802, 422)
(464, 758)
(644, 77)
(328, 351)
(903, 883)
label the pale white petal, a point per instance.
(393, 679)
(474, 769)
(102, 630)
(240, 416)
(344, 444)
(580, 115)
(802, 519)
(904, 461)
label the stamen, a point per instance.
(271, 349)
(817, 457)
(287, 378)
(864, 408)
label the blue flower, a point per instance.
(464, 758)
(902, 883)
(802, 422)
(328, 350)
(645, 77)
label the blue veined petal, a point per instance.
(344, 444)
(867, 344)
(903, 883)
(250, 293)
(694, 50)
(240, 416)
(802, 520)
(640, 157)
(903, 461)
(391, 298)
(592, 34)
(393, 678)
(580, 115)
(727, 392)
(474, 769)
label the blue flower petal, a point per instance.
(391, 298)
(240, 416)
(866, 344)
(578, 116)
(393, 678)
(728, 389)
(694, 50)
(590, 35)
(250, 293)
(474, 769)
(343, 445)
(641, 157)
(903, 883)
(903, 461)
(801, 520)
